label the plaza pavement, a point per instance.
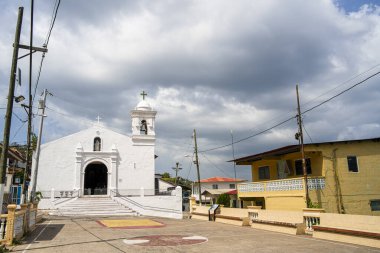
(64, 234)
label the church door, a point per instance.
(95, 179)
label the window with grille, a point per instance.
(298, 166)
(264, 172)
(352, 163)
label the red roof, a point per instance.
(233, 192)
(221, 179)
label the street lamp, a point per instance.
(19, 99)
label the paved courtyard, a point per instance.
(142, 234)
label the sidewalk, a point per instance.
(73, 235)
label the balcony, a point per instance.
(282, 187)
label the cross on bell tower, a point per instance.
(143, 94)
(98, 118)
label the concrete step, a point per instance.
(93, 207)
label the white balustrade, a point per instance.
(32, 218)
(309, 222)
(18, 226)
(291, 184)
(2, 228)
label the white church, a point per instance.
(99, 162)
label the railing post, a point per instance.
(2, 227)
(24, 207)
(142, 192)
(52, 195)
(10, 223)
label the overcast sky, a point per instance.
(213, 66)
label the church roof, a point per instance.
(144, 106)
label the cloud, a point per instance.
(211, 66)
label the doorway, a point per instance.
(95, 179)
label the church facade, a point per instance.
(98, 160)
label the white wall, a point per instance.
(58, 167)
(158, 206)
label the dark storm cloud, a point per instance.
(211, 66)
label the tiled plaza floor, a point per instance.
(73, 235)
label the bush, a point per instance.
(223, 199)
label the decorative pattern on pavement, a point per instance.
(131, 224)
(165, 240)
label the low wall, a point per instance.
(351, 222)
(357, 229)
(159, 206)
(279, 216)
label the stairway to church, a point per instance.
(93, 206)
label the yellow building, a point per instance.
(343, 177)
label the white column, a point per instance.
(114, 172)
(78, 169)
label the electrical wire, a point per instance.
(304, 128)
(340, 93)
(18, 130)
(345, 82)
(304, 112)
(52, 22)
(214, 165)
(248, 137)
(191, 165)
(23, 121)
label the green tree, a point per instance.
(166, 175)
(223, 199)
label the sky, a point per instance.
(228, 69)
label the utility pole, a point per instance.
(176, 168)
(30, 106)
(299, 137)
(8, 114)
(233, 156)
(197, 164)
(42, 106)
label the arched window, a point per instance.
(97, 144)
(143, 127)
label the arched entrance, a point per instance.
(95, 179)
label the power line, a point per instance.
(214, 165)
(251, 136)
(87, 121)
(285, 121)
(23, 121)
(52, 22)
(191, 165)
(340, 93)
(345, 82)
(18, 130)
(303, 125)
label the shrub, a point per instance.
(223, 199)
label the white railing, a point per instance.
(3, 227)
(310, 221)
(18, 230)
(282, 185)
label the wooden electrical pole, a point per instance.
(300, 139)
(8, 114)
(30, 106)
(197, 164)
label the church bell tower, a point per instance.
(143, 125)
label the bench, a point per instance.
(342, 231)
(279, 226)
(240, 221)
(200, 216)
(371, 239)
